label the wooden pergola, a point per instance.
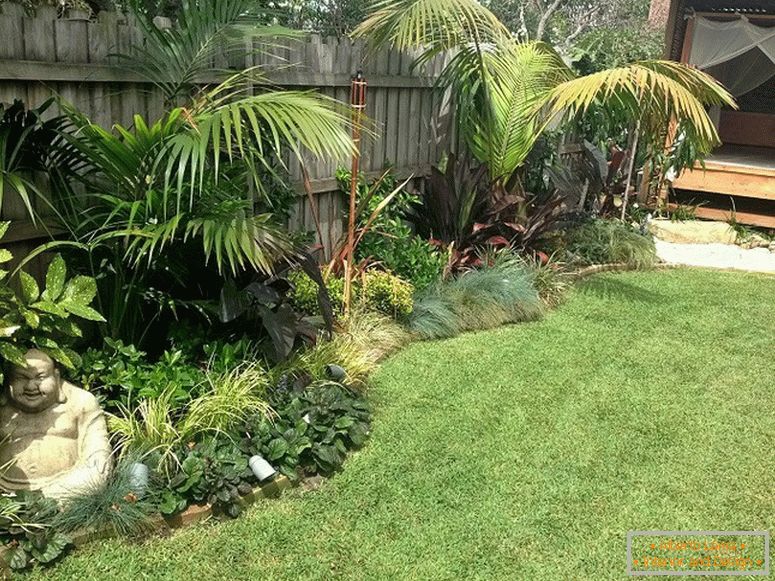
(739, 178)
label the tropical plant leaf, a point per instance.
(80, 290)
(12, 353)
(30, 290)
(55, 279)
(81, 310)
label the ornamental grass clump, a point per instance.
(550, 279)
(116, 505)
(478, 299)
(156, 426)
(610, 242)
(363, 340)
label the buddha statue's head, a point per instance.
(36, 386)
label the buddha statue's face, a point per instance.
(36, 387)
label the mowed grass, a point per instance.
(647, 401)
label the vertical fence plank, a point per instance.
(393, 112)
(12, 47)
(39, 46)
(403, 132)
(380, 109)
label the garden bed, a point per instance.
(527, 451)
(160, 524)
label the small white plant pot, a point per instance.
(336, 372)
(261, 468)
(138, 478)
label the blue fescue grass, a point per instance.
(478, 299)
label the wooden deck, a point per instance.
(737, 171)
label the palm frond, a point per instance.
(497, 89)
(433, 25)
(303, 122)
(176, 58)
(655, 92)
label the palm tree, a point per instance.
(199, 175)
(508, 92)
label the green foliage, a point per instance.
(389, 240)
(373, 290)
(191, 195)
(338, 421)
(282, 440)
(549, 278)
(614, 46)
(363, 340)
(211, 472)
(120, 375)
(114, 506)
(315, 429)
(386, 293)
(311, 364)
(684, 212)
(43, 318)
(304, 294)
(508, 92)
(609, 242)
(500, 293)
(26, 525)
(160, 427)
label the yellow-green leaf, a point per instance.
(30, 290)
(81, 310)
(81, 290)
(55, 278)
(12, 353)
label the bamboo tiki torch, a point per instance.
(358, 105)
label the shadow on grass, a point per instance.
(614, 288)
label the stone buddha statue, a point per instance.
(53, 433)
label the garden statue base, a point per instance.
(54, 437)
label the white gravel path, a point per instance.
(716, 255)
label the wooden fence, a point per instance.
(74, 58)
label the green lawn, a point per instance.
(528, 452)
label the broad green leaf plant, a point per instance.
(43, 317)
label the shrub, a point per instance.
(339, 420)
(120, 375)
(478, 299)
(385, 293)
(304, 294)
(215, 472)
(373, 290)
(607, 242)
(156, 426)
(389, 240)
(43, 318)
